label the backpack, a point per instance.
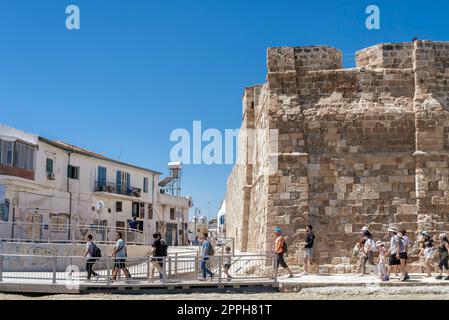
(164, 247)
(96, 252)
(373, 245)
(356, 251)
(284, 247)
(210, 250)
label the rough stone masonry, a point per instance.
(362, 146)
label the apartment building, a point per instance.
(56, 191)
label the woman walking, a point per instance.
(443, 250)
(427, 251)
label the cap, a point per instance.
(278, 230)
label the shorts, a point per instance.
(369, 258)
(308, 253)
(394, 261)
(444, 263)
(160, 261)
(403, 255)
(119, 263)
(227, 266)
(281, 261)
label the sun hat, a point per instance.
(365, 228)
(393, 229)
(425, 233)
(442, 235)
(379, 243)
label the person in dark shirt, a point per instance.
(158, 252)
(308, 255)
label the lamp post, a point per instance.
(195, 217)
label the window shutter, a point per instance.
(119, 181)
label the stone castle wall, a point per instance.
(362, 146)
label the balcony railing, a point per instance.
(117, 189)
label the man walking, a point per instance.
(90, 260)
(159, 253)
(396, 247)
(120, 254)
(206, 252)
(308, 255)
(279, 249)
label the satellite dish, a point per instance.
(100, 205)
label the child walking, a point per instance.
(227, 258)
(381, 263)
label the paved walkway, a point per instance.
(144, 285)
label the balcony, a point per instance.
(117, 189)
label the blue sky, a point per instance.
(138, 69)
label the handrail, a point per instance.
(49, 232)
(178, 268)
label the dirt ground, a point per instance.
(327, 293)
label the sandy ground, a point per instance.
(328, 293)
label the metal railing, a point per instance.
(177, 268)
(118, 189)
(58, 233)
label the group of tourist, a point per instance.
(159, 252)
(390, 259)
(394, 258)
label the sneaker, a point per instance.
(447, 278)
(407, 277)
(439, 277)
(202, 279)
(97, 277)
(291, 276)
(386, 278)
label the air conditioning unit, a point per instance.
(51, 176)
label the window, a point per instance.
(58, 223)
(101, 176)
(145, 185)
(172, 213)
(118, 206)
(49, 166)
(73, 172)
(7, 152)
(142, 210)
(23, 156)
(4, 211)
(150, 211)
(135, 209)
(123, 182)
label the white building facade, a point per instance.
(56, 191)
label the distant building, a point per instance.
(50, 190)
(221, 221)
